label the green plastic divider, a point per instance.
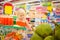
(14, 17)
(15, 27)
(14, 22)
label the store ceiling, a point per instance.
(27, 0)
(21, 1)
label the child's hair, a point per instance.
(20, 10)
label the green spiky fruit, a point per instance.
(57, 27)
(49, 38)
(36, 37)
(57, 34)
(44, 29)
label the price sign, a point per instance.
(49, 8)
(8, 8)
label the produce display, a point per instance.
(29, 20)
(43, 30)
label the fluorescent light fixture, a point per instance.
(24, 2)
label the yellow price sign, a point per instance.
(8, 10)
(49, 8)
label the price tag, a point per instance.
(49, 8)
(8, 10)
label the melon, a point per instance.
(36, 37)
(57, 34)
(49, 38)
(44, 29)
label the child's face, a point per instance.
(21, 15)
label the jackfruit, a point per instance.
(49, 38)
(43, 29)
(36, 37)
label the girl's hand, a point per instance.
(28, 25)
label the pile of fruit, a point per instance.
(45, 32)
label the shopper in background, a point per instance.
(21, 20)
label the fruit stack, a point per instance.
(45, 32)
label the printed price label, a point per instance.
(8, 10)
